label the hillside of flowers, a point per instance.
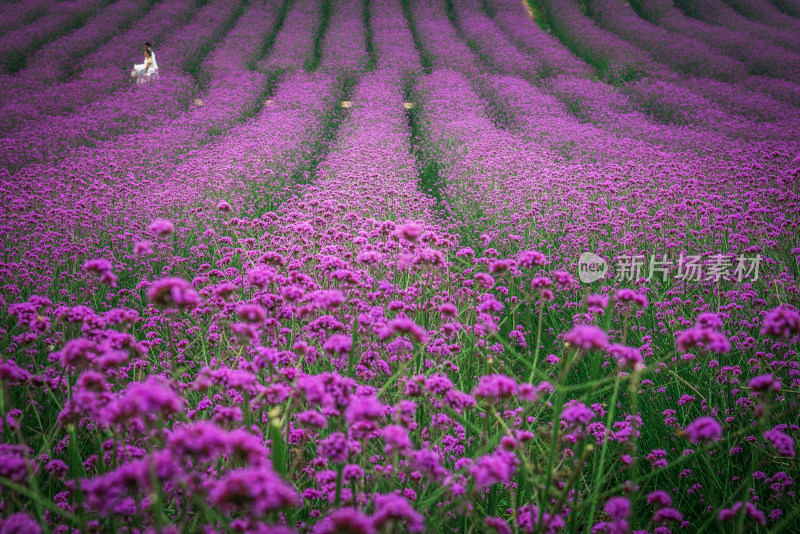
(389, 266)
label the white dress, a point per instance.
(154, 66)
(147, 70)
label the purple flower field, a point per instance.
(387, 266)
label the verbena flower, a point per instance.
(781, 323)
(173, 292)
(703, 429)
(586, 337)
(782, 442)
(161, 227)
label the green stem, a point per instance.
(338, 498)
(598, 473)
(538, 342)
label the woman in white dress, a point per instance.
(147, 70)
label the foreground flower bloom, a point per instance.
(161, 227)
(704, 429)
(782, 442)
(255, 491)
(781, 323)
(586, 337)
(173, 292)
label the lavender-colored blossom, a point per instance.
(345, 520)
(782, 442)
(781, 323)
(496, 468)
(586, 337)
(496, 387)
(161, 227)
(173, 292)
(338, 344)
(393, 509)
(20, 523)
(334, 447)
(577, 414)
(256, 491)
(704, 429)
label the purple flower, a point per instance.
(364, 408)
(586, 337)
(750, 511)
(494, 468)
(251, 313)
(224, 290)
(528, 521)
(98, 266)
(103, 269)
(143, 248)
(577, 414)
(150, 398)
(485, 280)
(497, 524)
(781, 323)
(345, 521)
(703, 429)
(13, 463)
(392, 508)
(667, 515)
(261, 277)
(531, 258)
(729, 513)
(77, 353)
(564, 279)
(626, 357)
(254, 490)
(57, 468)
(312, 418)
(161, 227)
(428, 462)
(20, 523)
(500, 266)
(448, 309)
(173, 292)
(705, 339)
(338, 344)
(782, 442)
(660, 498)
(709, 321)
(764, 383)
(110, 493)
(618, 508)
(202, 441)
(496, 387)
(411, 231)
(12, 374)
(541, 282)
(404, 325)
(335, 448)
(629, 295)
(396, 438)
